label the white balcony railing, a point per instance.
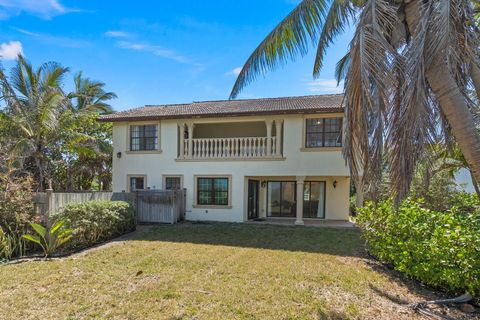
(241, 148)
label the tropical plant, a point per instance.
(11, 244)
(438, 248)
(16, 206)
(49, 239)
(408, 72)
(90, 95)
(55, 135)
(83, 159)
(34, 100)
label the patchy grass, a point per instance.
(210, 271)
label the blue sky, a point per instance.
(156, 52)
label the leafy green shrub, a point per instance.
(96, 221)
(440, 249)
(11, 245)
(353, 205)
(49, 239)
(16, 213)
(16, 205)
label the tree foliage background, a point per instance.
(51, 135)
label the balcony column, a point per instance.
(181, 127)
(279, 137)
(268, 124)
(190, 140)
(300, 183)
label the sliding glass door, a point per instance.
(314, 199)
(281, 199)
(282, 202)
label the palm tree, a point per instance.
(34, 100)
(407, 74)
(90, 96)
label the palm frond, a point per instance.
(341, 11)
(290, 38)
(342, 67)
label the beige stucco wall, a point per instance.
(230, 130)
(325, 165)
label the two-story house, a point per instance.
(238, 159)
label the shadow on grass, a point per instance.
(398, 277)
(342, 242)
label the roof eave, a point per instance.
(219, 115)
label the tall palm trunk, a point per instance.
(452, 103)
(39, 165)
(475, 74)
(457, 113)
(475, 185)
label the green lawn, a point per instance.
(210, 271)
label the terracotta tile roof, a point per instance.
(212, 109)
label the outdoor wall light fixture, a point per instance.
(335, 184)
(119, 155)
(264, 183)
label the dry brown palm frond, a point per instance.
(367, 91)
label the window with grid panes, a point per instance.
(144, 137)
(323, 132)
(212, 191)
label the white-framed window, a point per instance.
(172, 182)
(323, 132)
(137, 182)
(213, 191)
(143, 137)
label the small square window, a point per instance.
(173, 183)
(137, 183)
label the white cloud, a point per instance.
(56, 40)
(234, 72)
(324, 86)
(10, 50)
(117, 34)
(45, 9)
(157, 51)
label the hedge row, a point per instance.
(96, 221)
(440, 249)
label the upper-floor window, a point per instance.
(323, 132)
(144, 137)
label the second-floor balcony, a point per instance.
(231, 141)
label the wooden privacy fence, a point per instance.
(167, 206)
(151, 206)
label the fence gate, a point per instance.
(160, 206)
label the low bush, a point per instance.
(440, 249)
(11, 245)
(96, 221)
(16, 205)
(16, 213)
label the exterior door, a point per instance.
(253, 192)
(314, 199)
(281, 199)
